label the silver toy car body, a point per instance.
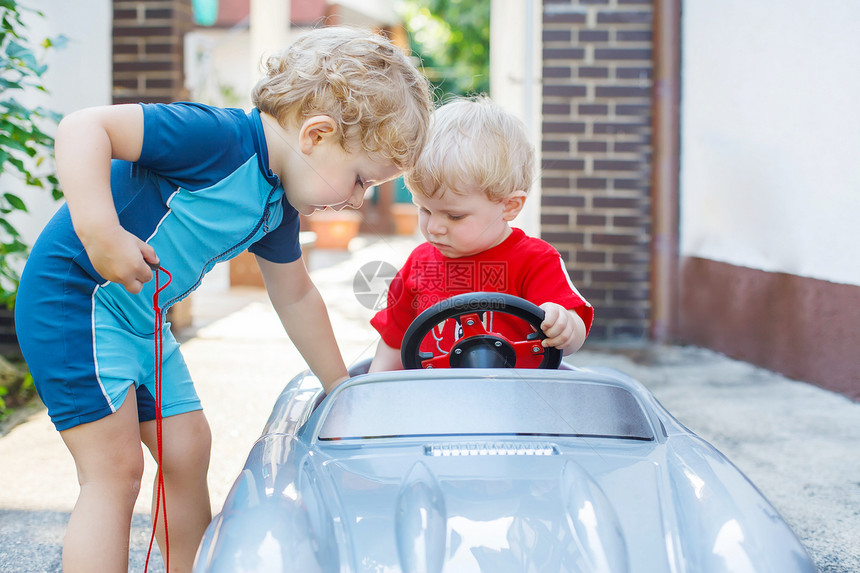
(491, 470)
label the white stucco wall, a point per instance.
(515, 82)
(218, 68)
(770, 135)
(78, 76)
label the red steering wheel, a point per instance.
(479, 347)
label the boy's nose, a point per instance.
(356, 199)
(435, 225)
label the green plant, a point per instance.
(452, 37)
(26, 149)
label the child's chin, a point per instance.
(449, 252)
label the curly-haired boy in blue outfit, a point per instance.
(187, 186)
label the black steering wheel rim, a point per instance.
(474, 302)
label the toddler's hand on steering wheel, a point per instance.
(559, 325)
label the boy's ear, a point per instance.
(314, 130)
(513, 204)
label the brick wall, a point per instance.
(148, 50)
(596, 154)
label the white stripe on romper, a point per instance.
(95, 354)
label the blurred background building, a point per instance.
(699, 167)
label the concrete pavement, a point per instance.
(798, 443)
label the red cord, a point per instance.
(160, 496)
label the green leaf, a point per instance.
(7, 84)
(8, 227)
(15, 201)
(18, 164)
(16, 50)
(12, 247)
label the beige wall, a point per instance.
(770, 177)
(515, 80)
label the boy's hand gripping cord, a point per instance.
(160, 496)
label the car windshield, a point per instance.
(457, 406)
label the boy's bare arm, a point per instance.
(564, 328)
(305, 318)
(86, 141)
(387, 358)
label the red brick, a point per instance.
(550, 146)
(622, 54)
(587, 219)
(628, 146)
(616, 165)
(563, 238)
(557, 72)
(563, 127)
(602, 128)
(593, 72)
(556, 36)
(610, 91)
(594, 35)
(141, 31)
(555, 182)
(555, 219)
(590, 183)
(618, 276)
(590, 257)
(548, 200)
(564, 90)
(556, 108)
(563, 164)
(617, 202)
(623, 17)
(633, 109)
(592, 146)
(630, 184)
(633, 73)
(563, 17)
(563, 53)
(633, 36)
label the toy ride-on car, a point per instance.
(489, 468)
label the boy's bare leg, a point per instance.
(109, 461)
(186, 443)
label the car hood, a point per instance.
(493, 506)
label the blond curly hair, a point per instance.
(359, 78)
(474, 146)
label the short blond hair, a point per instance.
(474, 145)
(359, 78)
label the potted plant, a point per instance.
(403, 210)
(334, 229)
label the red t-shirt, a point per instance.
(520, 265)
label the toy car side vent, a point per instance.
(491, 449)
